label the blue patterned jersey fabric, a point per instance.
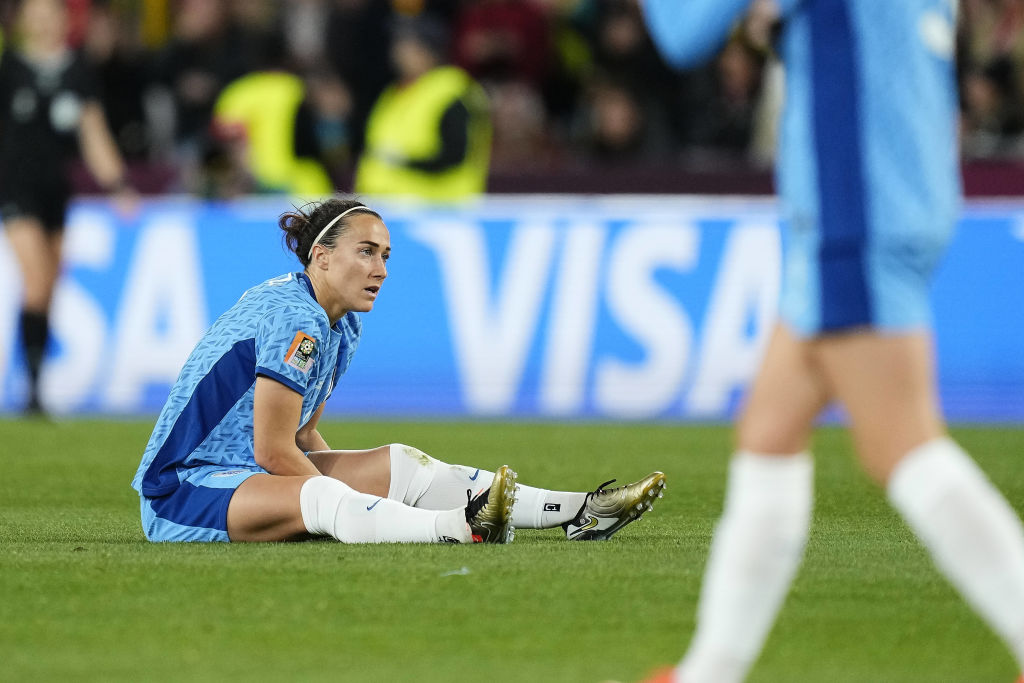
(867, 169)
(276, 329)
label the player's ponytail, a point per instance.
(318, 223)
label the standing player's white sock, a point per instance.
(757, 548)
(332, 508)
(974, 536)
(425, 482)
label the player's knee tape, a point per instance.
(412, 472)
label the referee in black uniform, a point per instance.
(50, 116)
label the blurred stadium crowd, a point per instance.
(574, 85)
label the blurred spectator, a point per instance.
(332, 107)
(255, 31)
(270, 114)
(522, 139)
(624, 54)
(204, 53)
(358, 46)
(619, 129)
(429, 134)
(727, 121)
(503, 40)
(304, 25)
(992, 120)
(509, 47)
(78, 21)
(225, 171)
(113, 46)
(991, 61)
(991, 30)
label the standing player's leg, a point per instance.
(410, 476)
(759, 541)
(38, 256)
(886, 384)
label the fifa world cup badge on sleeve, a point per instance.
(300, 353)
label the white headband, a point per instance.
(331, 224)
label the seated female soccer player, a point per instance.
(236, 455)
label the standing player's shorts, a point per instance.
(880, 282)
(198, 509)
(45, 199)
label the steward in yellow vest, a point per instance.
(429, 134)
(265, 105)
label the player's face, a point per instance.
(357, 265)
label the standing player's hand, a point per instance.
(126, 201)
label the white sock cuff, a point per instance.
(756, 480)
(412, 470)
(319, 498)
(926, 472)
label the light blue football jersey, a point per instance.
(867, 168)
(276, 329)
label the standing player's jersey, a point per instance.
(868, 163)
(870, 109)
(278, 330)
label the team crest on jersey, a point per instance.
(300, 353)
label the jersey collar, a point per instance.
(309, 285)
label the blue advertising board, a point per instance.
(525, 307)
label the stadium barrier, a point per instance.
(584, 307)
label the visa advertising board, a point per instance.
(621, 308)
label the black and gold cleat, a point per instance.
(608, 510)
(489, 514)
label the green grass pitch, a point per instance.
(84, 597)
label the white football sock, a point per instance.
(756, 551)
(544, 509)
(332, 508)
(425, 482)
(974, 536)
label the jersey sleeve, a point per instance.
(287, 346)
(687, 32)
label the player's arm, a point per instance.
(688, 32)
(308, 438)
(276, 410)
(99, 151)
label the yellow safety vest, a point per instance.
(264, 103)
(405, 124)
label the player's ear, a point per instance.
(319, 257)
